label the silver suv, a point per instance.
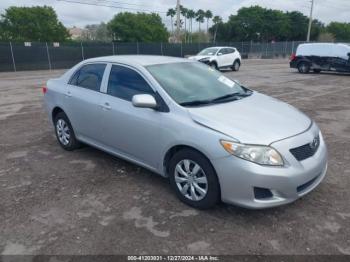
(214, 139)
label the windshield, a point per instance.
(209, 51)
(194, 83)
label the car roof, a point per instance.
(138, 60)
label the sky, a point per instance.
(72, 14)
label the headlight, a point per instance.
(263, 155)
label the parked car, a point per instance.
(212, 137)
(220, 57)
(321, 57)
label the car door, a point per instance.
(128, 130)
(221, 56)
(83, 101)
(231, 56)
(226, 57)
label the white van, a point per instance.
(321, 57)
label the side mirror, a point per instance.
(349, 55)
(219, 54)
(144, 101)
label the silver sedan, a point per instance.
(212, 137)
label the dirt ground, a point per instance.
(88, 202)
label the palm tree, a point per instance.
(190, 15)
(200, 18)
(216, 20)
(171, 12)
(208, 14)
(183, 12)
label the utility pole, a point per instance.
(310, 21)
(178, 21)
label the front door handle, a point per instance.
(106, 106)
(68, 94)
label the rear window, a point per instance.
(89, 76)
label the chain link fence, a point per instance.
(37, 56)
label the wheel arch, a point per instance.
(176, 148)
(55, 111)
(237, 60)
(304, 61)
(214, 62)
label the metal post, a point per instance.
(292, 47)
(137, 47)
(310, 22)
(48, 55)
(113, 48)
(181, 50)
(82, 50)
(161, 48)
(285, 47)
(13, 58)
(251, 46)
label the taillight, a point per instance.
(292, 57)
(44, 90)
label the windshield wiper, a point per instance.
(236, 95)
(228, 97)
(196, 103)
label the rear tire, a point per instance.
(236, 65)
(65, 133)
(194, 179)
(304, 67)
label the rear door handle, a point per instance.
(106, 106)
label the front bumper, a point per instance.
(239, 177)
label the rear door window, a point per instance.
(89, 76)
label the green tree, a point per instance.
(217, 20)
(131, 27)
(38, 23)
(256, 23)
(341, 31)
(208, 15)
(200, 14)
(171, 12)
(191, 14)
(184, 11)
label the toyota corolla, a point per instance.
(212, 137)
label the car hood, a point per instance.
(199, 57)
(257, 119)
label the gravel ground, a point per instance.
(88, 202)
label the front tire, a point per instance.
(65, 133)
(317, 71)
(304, 67)
(193, 179)
(236, 65)
(214, 65)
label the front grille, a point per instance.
(308, 150)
